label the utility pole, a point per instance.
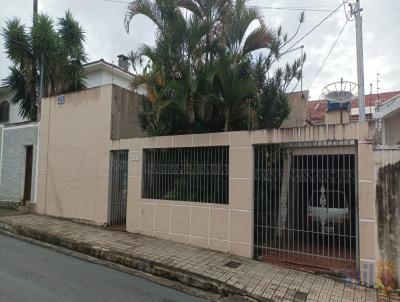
(356, 12)
(35, 13)
(41, 83)
(35, 9)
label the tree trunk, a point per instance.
(227, 120)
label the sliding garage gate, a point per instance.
(305, 205)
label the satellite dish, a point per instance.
(340, 92)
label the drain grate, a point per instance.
(233, 264)
(300, 297)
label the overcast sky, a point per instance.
(106, 37)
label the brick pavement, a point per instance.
(256, 279)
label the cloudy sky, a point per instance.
(106, 37)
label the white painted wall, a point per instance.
(102, 77)
(392, 129)
(14, 109)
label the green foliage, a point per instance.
(271, 107)
(200, 76)
(57, 46)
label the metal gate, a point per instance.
(306, 212)
(118, 188)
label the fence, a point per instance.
(305, 209)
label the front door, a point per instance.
(28, 175)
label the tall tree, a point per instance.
(200, 75)
(55, 49)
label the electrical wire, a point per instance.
(287, 8)
(314, 28)
(329, 53)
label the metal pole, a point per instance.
(35, 8)
(360, 60)
(302, 64)
(41, 88)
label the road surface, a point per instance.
(32, 273)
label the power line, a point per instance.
(329, 53)
(314, 28)
(287, 8)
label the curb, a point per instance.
(153, 268)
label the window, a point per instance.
(186, 174)
(4, 112)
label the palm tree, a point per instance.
(213, 14)
(172, 65)
(200, 75)
(56, 55)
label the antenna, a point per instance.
(302, 64)
(378, 101)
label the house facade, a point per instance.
(256, 194)
(19, 137)
(312, 194)
(317, 110)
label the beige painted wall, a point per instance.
(228, 228)
(334, 117)
(298, 110)
(74, 175)
(124, 114)
(74, 155)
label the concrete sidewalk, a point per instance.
(188, 264)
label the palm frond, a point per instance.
(25, 92)
(16, 41)
(43, 36)
(259, 38)
(147, 8)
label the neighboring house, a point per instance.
(19, 137)
(100, 73)
(18, 146)
(382, 111)
(388, 115)
(18, 161)
(316, 110)
(9, 113)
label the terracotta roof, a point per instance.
(316, 109)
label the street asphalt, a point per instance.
(32, 273)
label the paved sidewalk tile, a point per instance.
(270, 282)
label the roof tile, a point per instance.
(316, 109)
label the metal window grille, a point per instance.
(305, 205)
(198, 174)
(118, 188)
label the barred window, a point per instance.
(186, 174)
